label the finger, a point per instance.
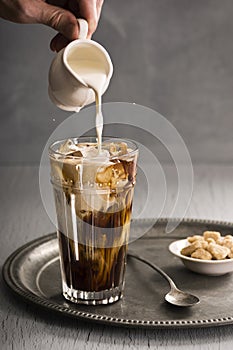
(88, 11)
(99, 5)
(57, 18)
(58, 42)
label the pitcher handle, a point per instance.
(83, 28)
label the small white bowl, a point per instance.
(205, 267)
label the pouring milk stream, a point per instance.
(79, 75)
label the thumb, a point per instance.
(59, 19)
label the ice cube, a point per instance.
(111, 175)
(68, 147)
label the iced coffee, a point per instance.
(93, 193)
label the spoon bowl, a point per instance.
(179, 298)
(175, 296)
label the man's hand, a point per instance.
(59, 14)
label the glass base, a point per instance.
(104, 297)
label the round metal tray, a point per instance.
(33, 273)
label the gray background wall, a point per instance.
(174, 56)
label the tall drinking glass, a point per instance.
(93, 194)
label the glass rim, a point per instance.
(53, 152)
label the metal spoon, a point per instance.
(175, 296)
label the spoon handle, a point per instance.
(154, 267)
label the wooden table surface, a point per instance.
(24, 326)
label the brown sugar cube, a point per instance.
(210, 240)
(230, 255)
(218, 252)
(212, 234)
(219, 241)
(229, 236)
(227, 242)
(202, 254)
(192, 239)
(187, 251)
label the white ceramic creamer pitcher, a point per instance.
(71, 69)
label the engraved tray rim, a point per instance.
(8, 275)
